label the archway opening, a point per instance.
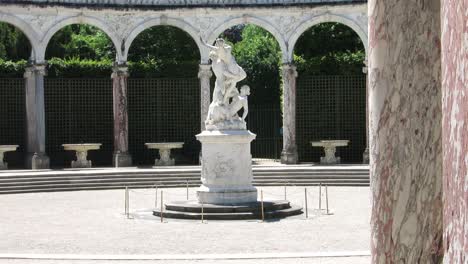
(258, 53)
(15, 50)
(331, 91)
(164, 94)
(78, 94)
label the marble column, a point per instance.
(405, 131)
(204, 74)
(455, 129)
(36, 157)
(289, 154)
(365, 155)
(121, 157)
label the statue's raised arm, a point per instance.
(208, 45)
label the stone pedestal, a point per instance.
(226, 167)
(81, 153)
(329, 148)
(164, 152)
(3, 149)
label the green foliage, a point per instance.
(329, 49)
(75, 68)
(166, 44)
(81, 42)
(14, 45)
(13, 69)
(259, 54)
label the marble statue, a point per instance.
(226, 97)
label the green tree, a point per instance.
(329, 48)
(82, 42)
(14, 45)
(259, 54)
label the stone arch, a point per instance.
(163, 21)
(80, 20)
(303, 27)
(24, 27)
(251, 20)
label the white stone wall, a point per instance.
(285, 23)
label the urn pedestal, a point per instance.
(226, 167)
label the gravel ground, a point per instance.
(92, 222)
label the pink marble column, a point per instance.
(121, 157)
(204, 74)
(289, 154)
(36, 157)
(405, 131)
(455, 129)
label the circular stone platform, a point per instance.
(192, 210)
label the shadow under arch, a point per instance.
(80, 20)
(255, 21)
(26, 29)
(325, 18)
(180, 24)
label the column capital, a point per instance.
(365, 69)
(289, 69)
(33, 68)
(204, 71)
(119, 70)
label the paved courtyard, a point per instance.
(91, 224)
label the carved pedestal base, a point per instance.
(365, 156)
(289, 157)
(37, 161)
(121, 159)
(226, 167)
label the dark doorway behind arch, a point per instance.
(78, 94)
(331, 91)
(164, 94)
(15, 50)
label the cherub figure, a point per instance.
(240, 102)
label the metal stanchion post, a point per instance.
(285, 198)
(261, 199)
(202, 212)
(305, 197)
(320, 196)
(326, 196)
(155, 196)
(162, 207)
(126, 201)
(187, 189)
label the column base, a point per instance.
(289, 157)
(365, 156)
(3, 165)
(81, 164)
(121, 159)
(37, 161)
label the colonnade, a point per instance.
(36, 156)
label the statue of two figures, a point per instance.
(227, 101)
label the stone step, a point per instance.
(227, 213)
(195, 207)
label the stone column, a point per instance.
(36, 157)
(121, 157)
(455, 127)
(204, 74)
(365, 155)
(289, 154)
(405, 131)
